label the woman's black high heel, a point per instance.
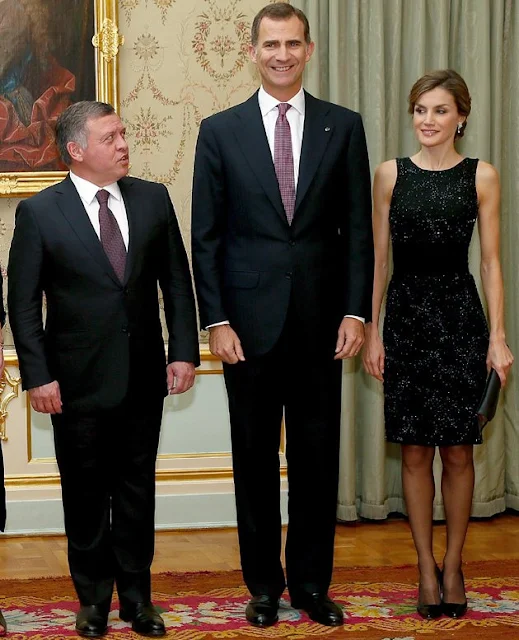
(431, 611)
(455, 609)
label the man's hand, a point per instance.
(225, 344)
(47, 398)
(180, 377)
(350, 338)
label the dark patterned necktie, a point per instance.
(284, 161)
(111, 236)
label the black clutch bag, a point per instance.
(488, 405)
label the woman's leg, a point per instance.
(457, 489)
(418, 485)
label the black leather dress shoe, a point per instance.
(145, 619)
(262, 611)
(91, 621)
(320, 608)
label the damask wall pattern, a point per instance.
(182, 61)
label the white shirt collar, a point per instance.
(268, 102)
(88, 190)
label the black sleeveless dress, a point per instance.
(435, 331)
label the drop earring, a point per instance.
(460, 127)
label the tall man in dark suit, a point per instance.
(283, 265)
(97, 244)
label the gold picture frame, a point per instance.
(106, 41)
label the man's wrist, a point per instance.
(217, 324)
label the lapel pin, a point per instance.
(327, 128)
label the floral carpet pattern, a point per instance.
(378, 603)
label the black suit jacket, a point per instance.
(100, 335)
(248, 262)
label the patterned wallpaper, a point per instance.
(182, 60)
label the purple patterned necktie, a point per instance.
(284, 161)
(111, 236)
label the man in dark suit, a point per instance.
(282, 252)
(97, 244)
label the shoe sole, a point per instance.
(91, 634)
(263, 625)
(151, 634)
(336, 623)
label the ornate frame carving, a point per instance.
(106, 43)
(13, 383)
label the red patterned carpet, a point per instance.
(378, 603)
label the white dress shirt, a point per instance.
(296, 119)
(87, 192)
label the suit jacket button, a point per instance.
(292, 243)
(288, 275)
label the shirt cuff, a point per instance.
(363, 320)
(217, 324)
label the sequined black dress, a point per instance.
(435, 331)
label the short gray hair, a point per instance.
(71, 125)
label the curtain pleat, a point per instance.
(368, 55)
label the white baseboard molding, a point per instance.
(172, 511)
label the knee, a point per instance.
(457, 459)
(417, 459)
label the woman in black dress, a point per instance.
(436, 347)
(3, 628)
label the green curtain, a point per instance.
(368, 55)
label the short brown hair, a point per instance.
(278, 11)
(449, 80)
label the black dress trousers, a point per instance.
(304, 386)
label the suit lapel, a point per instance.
(125, 186)
(73, 210)
(318, 130)
(251, 136)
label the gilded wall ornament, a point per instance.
(8, 184)
(108, 40)
(13, 383)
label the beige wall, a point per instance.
(182, 60)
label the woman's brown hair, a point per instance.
(449, 80)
